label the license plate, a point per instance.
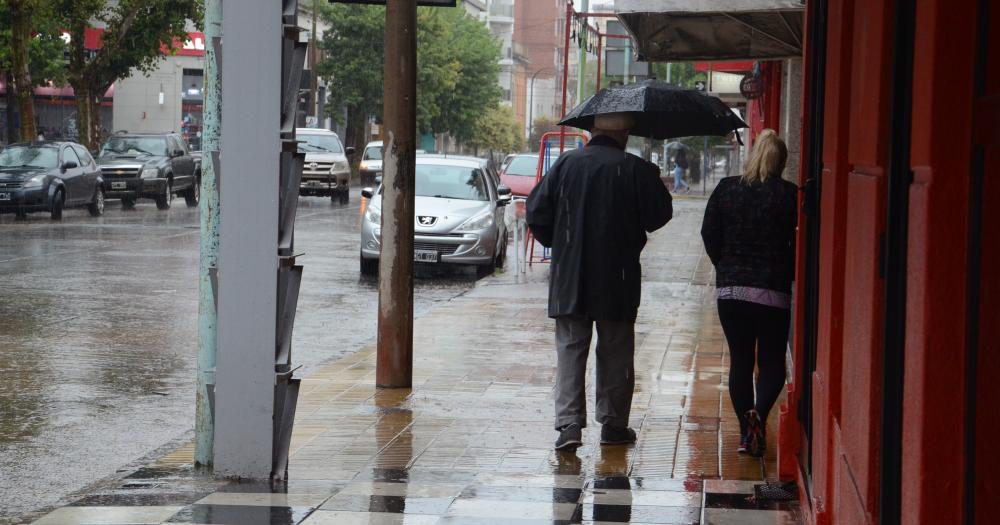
(425, 256)
(118, 186)
(4, 196)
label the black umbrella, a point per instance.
(662, 111)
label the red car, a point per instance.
(519, 174)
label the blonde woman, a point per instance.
(749, 233)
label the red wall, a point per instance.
(844, 481)
(987, 136)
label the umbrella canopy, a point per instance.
(662, 111)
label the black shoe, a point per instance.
(617, 435)
(570, 437)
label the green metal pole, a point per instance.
(628, 61)
(207, 313)
(582, 60)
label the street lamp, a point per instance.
(531, 99)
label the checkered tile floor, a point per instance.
(483, 499)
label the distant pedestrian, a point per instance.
(594, 208)
(749, 233)
(680, 166)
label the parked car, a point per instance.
(371, 162)
(459, 216)
(520, 174)
(149, 166)
(326, 172)
(49, 176)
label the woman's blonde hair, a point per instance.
(767, 158)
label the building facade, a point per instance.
(889, 414)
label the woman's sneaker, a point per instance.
(570, 437)
(742, 449)
(755, 445)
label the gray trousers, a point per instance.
(615, 370)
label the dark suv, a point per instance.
(149, 165)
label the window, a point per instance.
(134, 146)
(42, 156)
(319, 143)
(70, 156)
(451, 182)
(523, 166)
(83, 154)
(373, 153)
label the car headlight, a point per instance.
(374, 215)
(150, 173)
(339, 166)
(364, 165)
(477, 222)
(35, 181)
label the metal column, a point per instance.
(258, 279)
(207, 314)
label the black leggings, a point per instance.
(748, 327)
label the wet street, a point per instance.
(98, 334)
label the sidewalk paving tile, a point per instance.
(471, 442)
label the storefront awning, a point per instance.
(684, 30)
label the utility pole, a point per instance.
(394, 366)
(207, 314)
(582, 56)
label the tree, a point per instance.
(352, 65)
(31, 52)
(497, 130)
(136, 33)
(457, 68)
(476, 90)
(541, 126)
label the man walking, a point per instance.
(594, 208)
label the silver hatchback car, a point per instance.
(459, 216)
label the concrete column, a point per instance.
(791, 114)
(248, 184)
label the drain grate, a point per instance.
(775, 492)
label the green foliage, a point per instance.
(497, 130)
(135, 33)
(682, 74)
(541, 126)
(476, 89)
(353, 62)
(46, 50)
(457, 65)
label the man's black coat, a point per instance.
(593, 209)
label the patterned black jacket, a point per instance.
(749, 233)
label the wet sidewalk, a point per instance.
(472, 442)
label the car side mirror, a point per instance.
(68, 165)
(503, 190)
(178, 153)
(367, 193)
(350, 150)
(378, 179)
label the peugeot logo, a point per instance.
(426, 220)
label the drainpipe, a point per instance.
(207, 314)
